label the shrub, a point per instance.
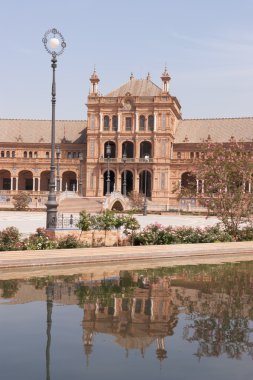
(10, 239)
(40, 240)
(21, 201)
(69, 241)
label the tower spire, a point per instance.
(94, 80)
(165, 79)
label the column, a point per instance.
(136, 122)
(11, 183)
(100, 121)
(119, 122)
(60, 183)
(155, 127)
(203, 186)
(77, 185)
(249, 186)
(135, 181)
(179, 185)
(197, 187)
(16, 183)
(33, 184)
(38, 183)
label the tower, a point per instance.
(165, 79)
(94, 80)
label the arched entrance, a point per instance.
(69, 182)
(145, 178)
(25, 180)
(128, 149)
(145, 149)
(129, 181)
(5, 180)
(44, 180)
(117, 206)
(112, 181)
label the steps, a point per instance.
(75, 205)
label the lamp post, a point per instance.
(124, 158)
(108, 181)
(81, 175)
(145, 207)
(58, 153)
(54, 44)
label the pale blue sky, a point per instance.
(207, 44)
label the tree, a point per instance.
(131, 224)
(225, 173)
(21, 201)
(105, 221)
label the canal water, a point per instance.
(184, 322)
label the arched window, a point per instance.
(25, 154)
(30, 154)
(2, 153)
(142, 123)
(8, 153)
(151, 123)
(36, 154)
(106, 123)
(115, 123)
(47, 154)
(13, 153)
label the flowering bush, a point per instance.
(10, 239)
(39, 240)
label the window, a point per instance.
(2, 153)
(30, 154)
(25, 154)
(69, 155)
(142, 123)
(128, 123)
(74, 155)
(106, 123)
(179, 155)
(115, 123)
(13, 153)
(36, 154)
(191, 154)
(151, 123)
(47, 154)
(197, 154)
(8, 153)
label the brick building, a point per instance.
(136, 129)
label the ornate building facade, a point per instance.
(134, 139)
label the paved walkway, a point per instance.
(221, 251)
(27, 222)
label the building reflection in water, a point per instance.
(136, 319)
(141, 308)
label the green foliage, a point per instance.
(10, 239)
(9, 288)
(85, 221)
(21, 201)
(158, 234)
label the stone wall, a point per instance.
(91, 238)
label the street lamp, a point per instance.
(124, 158)
(54, 44)
(81, 175)
(58, 153)
(108, 181)
(145, 207)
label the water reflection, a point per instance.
(141, 308)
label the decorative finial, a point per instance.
(149, 76)
(131, 76)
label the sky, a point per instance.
(206, 44)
